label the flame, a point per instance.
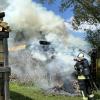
(17, 48)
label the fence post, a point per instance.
(4, 69)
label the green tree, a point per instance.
(84, 11)
(94, 37)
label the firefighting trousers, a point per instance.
(85, 89)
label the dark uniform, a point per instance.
(84, 79)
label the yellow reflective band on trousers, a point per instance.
(81, 77)
(84, 97)
(91, 96)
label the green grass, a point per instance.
(19, 92)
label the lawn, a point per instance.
(20, 92)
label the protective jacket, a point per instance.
(82, 68)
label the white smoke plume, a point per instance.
(29, 18)
(3, 4)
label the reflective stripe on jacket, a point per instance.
(81, 77)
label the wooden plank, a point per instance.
(1, 65)
(1, 57)
(6, 75)
(4, 35)
(1, 97)
(5, 69)
(1, 46)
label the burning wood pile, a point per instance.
(70, 88)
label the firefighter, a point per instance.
(84, 77)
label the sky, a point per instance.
(66, 15)
(55, 8)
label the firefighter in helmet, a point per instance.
(84, 77)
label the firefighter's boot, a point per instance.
(91, 97)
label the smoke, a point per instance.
(27, 19)
(45, 66)
(3, 4)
